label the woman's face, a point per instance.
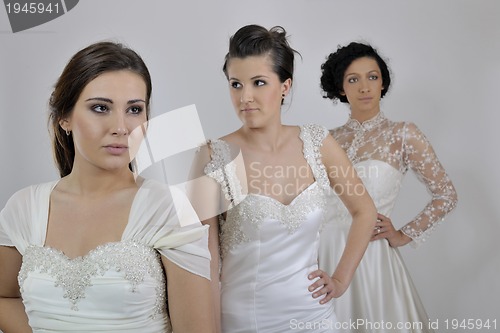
(256, 90)
(362, 85)
(107, 111)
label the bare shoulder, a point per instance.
(292, 129)
(232, 138)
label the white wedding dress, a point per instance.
(117, 287)
(269, 248)
(382, 296)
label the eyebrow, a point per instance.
(369, 72)
(107, 100)
(252, 78)
(259, 76)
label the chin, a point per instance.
(115, 165)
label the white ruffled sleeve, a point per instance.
(23, 219)
(13, 218)
(168, 223)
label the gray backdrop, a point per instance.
(446, 69)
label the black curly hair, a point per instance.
(333, 70)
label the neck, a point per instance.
(363, 115)
(268, 138)
(83, 181)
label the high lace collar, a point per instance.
(367, 124)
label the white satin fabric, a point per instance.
(264, 281)
(381, 296)
(117, 287)
(269, 248)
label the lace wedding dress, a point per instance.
(382, 296)
(268, 249)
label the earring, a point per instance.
(68, 132)
(282, 95)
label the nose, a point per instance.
(119, 126)
(246, 95)
(364, 87)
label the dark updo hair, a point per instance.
(334, 68)
(255, 40)
(84, 66)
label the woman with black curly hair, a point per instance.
(381, 292)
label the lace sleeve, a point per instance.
(421, 158)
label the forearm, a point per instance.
(357, 241)
(13, 318)
(430, 217)
(421, 158)
(444, 200)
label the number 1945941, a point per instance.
(32, 8)
(470, 324)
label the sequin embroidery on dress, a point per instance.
(74, 276)
(254, 208)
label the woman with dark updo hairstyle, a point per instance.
(99, 249)
(382, 151)
(273, 181)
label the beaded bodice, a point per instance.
(133, 262)
(116, 287)
(248, 211)
(402, 146)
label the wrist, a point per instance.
(404, 239)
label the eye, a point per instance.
(135, 109)
(99, 108)
(373, 77)
(235, 84)
(352, 80)
(259, 83)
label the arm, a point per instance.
(213, 246)
(344, 180)
(13, 317)
(205, 196)
(189, 298)
(421, 158)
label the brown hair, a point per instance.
(84, 66)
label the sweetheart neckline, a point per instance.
(90, 253)
(291, 203)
